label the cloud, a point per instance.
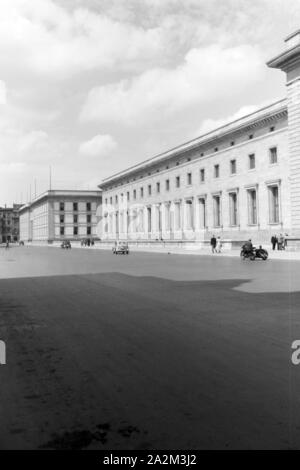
(22, 146)
(213, 124)
(2, 92)
(45, 38)
(98, 146)
(206, 74)
(33, 141)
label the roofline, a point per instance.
(204, 138)
(290, 36)
(282, 60)
(52, 192)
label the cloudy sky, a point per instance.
(93, 86)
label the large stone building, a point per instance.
(241, 180)
(58, 215)
(9, 223)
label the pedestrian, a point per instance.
(213, 243)
(219, 245)
(281, 242)
(274, 241)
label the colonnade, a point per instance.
(168, 220)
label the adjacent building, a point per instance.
(241, 180)
(9, 223)
(57, 215)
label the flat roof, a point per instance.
(62, 192)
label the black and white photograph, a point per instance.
(149, 228)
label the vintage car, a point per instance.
(66, 244)
(120, 248)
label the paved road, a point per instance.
(147, 351)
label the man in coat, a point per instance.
(213, 243)
(274, 241)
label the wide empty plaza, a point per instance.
(147, 351)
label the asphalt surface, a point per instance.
(147, 351)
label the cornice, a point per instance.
(266, 115)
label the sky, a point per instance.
(90, 87)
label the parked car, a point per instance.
(66, 244)
(120, 248)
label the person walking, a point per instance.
(219, 245)
(281, 242)
(274, 242)
(213, 243)
(285, 240)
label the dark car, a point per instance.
(66, 244)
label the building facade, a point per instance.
(241, 180)
(9, 223)
(58, 215)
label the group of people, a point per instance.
(279, 242)
(216, 244)
(87, 242)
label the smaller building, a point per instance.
(61, 214)
(9, 223)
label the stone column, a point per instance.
(289, 62)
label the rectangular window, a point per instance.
(167, 185)
(167, 217)
(273, 155)
(177, 216)
(142, 192)
(62, 219)
(134, 194)
(189, 179)
(116, 200)
(189, 215)
(75, 230)
(177, 181)
(88, 230)
(233, 209)
(233, 167)
(158, 187)
(202, 175)
(128, 196)
(88, 205)
(75, 206)
(62, 230)
(149, 189)
(202, 212)
(216, 171)
(251, 161)
(89, 218)
(274, 204)
(217, 210)
(61, 206)
(252, 207)
(75, 219)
